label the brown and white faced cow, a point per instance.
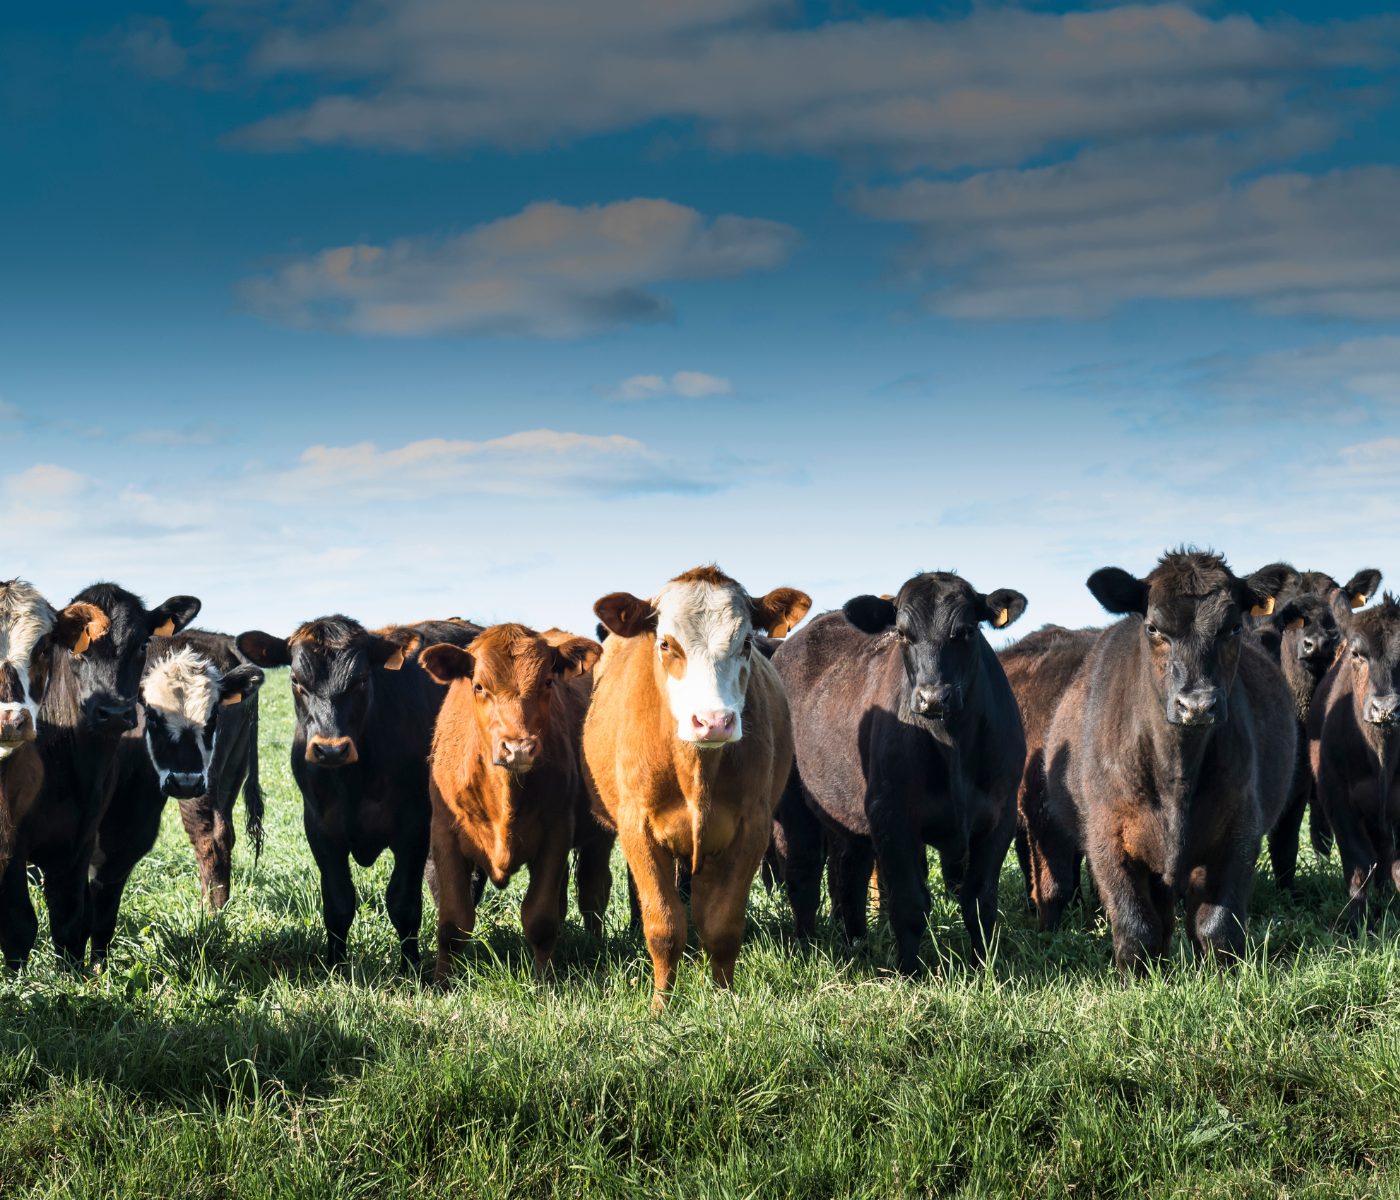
(29, 630)
(687, 747)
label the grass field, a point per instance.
(216, 1059)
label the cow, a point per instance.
(687, 746)
(1313, 589)
(196, 743)
(1039, 668)
(506, 783)
(29, 631)
(1354, 740)
(1167, 759)
(365, 710)
(90, 703)
(907, 734)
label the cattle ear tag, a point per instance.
(395, 661)
(1002, 617)
(165, 629)
(81, 644)
(1263, 610)
(1359, 600)
(1296, 623)
(236, 698)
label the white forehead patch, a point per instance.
(25, 618)
(183, 686)
(705, 618)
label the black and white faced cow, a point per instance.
(29, 630)
(365, 712)
(197, 744)
(90, 702)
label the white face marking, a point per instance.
(25, 619)
(711, 625)
(182, 690)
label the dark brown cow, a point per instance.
(506, 784)
(1354, 735)
(1169, 756)
(1039, 669)
(687, 747)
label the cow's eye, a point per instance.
(478, 689)
(550, 682)
(1235, 632)
(663, 646)
(1152, 630)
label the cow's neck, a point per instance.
(1301, 685)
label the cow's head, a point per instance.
(107, 668)
(701, 622)
(29, 629)
(511, 677)
(936, 619)
(185, 694)
(333, 662)
(1308, 633)
(1373, 644)
(1192, 609)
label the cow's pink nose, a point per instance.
(714, 726)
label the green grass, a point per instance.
(215, 1058)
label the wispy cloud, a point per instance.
(690, 384)
(548, 271)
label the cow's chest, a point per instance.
(673, 826)
(362, 820)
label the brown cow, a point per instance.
(506, 786)
(1039, 669)
(687, 747)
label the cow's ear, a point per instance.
(79, 625)
(1119, 592)
(575, 656)
(869, 614)
(1261, 590)
(780, 610)
(625, 615)
(1290, 616)
(445, 662)
(240, 683)
(1340, 604)
(264, 649)
(1362, 586)
(1002, 607)
(388, 650)
(172, 616)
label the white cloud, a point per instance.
(549, 271)
(531, 463)
(45, 482)
(1327, 379)
(995, 86)
(690, 384)
(147, 45)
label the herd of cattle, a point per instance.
(1164, 748)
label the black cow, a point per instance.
(1169, 756)
(907, 735)
(197, 742)
(91, 702)
(1354, 734)
(365, 712)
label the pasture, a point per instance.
(216, 1058)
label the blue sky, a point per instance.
(489, 308)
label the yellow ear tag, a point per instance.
(1263, 610)
(1296, 623)
(166, 630)
(1359, 600)
(236, 698)
(395, 661)
(1002, 617)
